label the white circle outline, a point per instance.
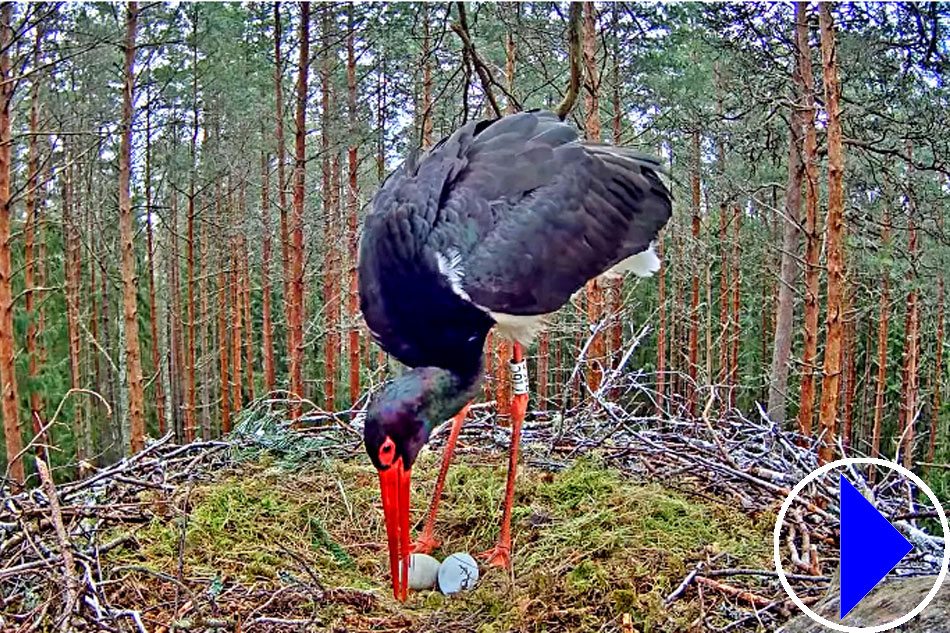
(776, 542)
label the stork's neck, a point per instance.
(436, 393)
(448, 391)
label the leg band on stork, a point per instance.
(500, 555)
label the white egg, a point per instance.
(458, 573)
(423, 571)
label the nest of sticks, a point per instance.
(59, 571)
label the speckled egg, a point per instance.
(458, 572)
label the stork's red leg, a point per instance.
(500, 555)
(427, 540)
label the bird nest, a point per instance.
(620, 524)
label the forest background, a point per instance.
(182, 185)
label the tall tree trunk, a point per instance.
(736, 304)
(490, 365)
(176, 343)
(72, 265)
(675, 311)
(938, 356)
(724, 287)
(661, 332)
(382, 115)
(191, 410)
(330, 289)
(152, 303)
(246, 300)
(281, 178)
(596, 351)
(30, 229)
(851, 368)
(911, 378)
(427, 104)
(543, 370)
(8, 391)
(204, 325)
(812, 243)
(127, 234)
(189, 427)
(693, 344)
(614, 287)
(502, 379)
(352, 219)
(242, 259)
(237, 323)
(544, 338)
(223, 361)
(267, 340)
(296, 224)
(830, 387)
(788, 272)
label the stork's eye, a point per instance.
(387, 452)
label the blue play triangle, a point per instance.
(870, 547)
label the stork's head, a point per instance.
(398, 423)
(396, 429)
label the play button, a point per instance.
(870, 547)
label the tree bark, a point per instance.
(176, 352)
(352, 217)
(724, 285)
(938, 356)
(830, 386)
(246, 299)
(8, 386)
(281, 178)
(693, 344)
(736, 304)
(851, 368)
(30, 230)
(661, 332)
(152, 302)
(614, 286)
(223, 361)
(72, 264)
(330, 279)
(427, 105)
(267, 338)
(296, 224)
(911, 378)
(596, 351)
(789, 271)
(127, 234)
(812, 243)
(237, 323)
(204, 327)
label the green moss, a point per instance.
(590, 543)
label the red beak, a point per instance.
(394, 485)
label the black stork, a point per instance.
(497, 224)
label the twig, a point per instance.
(741, 594)
(69, 563)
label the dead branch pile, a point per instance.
(53, 538)
(751, 464)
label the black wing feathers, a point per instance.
(524, 212)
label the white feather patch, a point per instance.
(517, 327)
(643, 264)
(450, 266)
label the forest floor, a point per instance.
(275, 529)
